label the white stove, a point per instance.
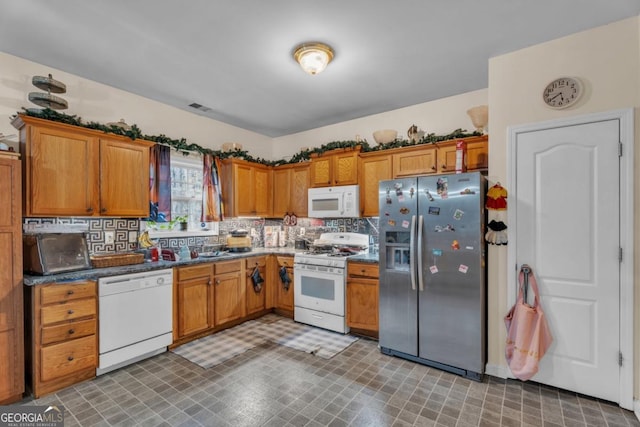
(320, 277)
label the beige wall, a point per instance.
(607, 60)
(100, 103)
(440, 117)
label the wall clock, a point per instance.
(562, 92)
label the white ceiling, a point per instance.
(235, 56)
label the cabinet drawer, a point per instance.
(252, 263)
(285, 261)
(362, 270)
(68, 331)
(194, 271)
(66, 292)
(62, 359)
(68, 311)
(227, 266)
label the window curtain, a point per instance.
(160, 183)
(212, 209)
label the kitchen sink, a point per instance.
(215, 254)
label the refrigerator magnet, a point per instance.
(429, 196)
(436, 252)
(392, 222)
(411, 192)
(442, 187)
(433, 269)
(405, 224)
(463, 269)
(434, 210)
(455, 245)
(458, 214)
(404, 210)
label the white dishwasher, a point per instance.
(135, 317)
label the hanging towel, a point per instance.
(284, 278)
(257, 280)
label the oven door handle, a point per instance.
(412, 249)
(300, 270)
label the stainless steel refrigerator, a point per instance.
(432, 271)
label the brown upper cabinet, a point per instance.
(439, 157)
(290, 185)
(477, 155)
(373, 168)
(336, 167)
(246, 188)
(414, 161)
(73, 171)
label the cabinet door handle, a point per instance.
(70, 358)
(444, 166)
(70, 312)
(71, 332)
(433, 167)
(217, 281)
(89, 209)
(69, 292)
(209, 282)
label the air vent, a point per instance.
(199, 107)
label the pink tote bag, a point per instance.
(528, 334)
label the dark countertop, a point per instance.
(96, 273)
(368, 258)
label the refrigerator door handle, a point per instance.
(419, 232)
(412, 262)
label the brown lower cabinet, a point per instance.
(229, 298)
(215, 295)
(362, 297)
(61, 332)
(192, 300)
(284, 292)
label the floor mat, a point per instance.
(309, 339)
(219, 347)
(222, 346)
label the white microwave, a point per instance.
(334, 202)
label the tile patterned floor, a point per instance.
(272, 385)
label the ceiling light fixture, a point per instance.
(313, 57)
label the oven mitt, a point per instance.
(257, 280)
(284, 278)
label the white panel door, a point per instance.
(568, 224)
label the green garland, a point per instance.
(182, 145)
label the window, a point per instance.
(186, 187)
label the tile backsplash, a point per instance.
(125, 231)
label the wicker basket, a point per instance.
(114, 260)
